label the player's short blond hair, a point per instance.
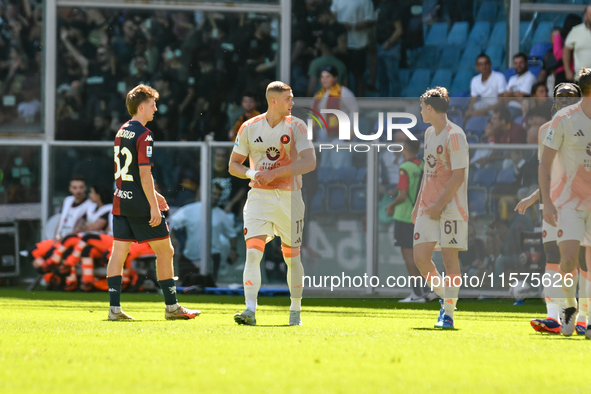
(138, 95)
(438, 98)
(277, 87)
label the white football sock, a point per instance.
(252, 277)
(583, 300)
(451, 295)
(553, 295)
(570, 292)
(295, 280)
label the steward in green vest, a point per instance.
(411, 175)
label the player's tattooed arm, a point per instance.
(545, 170)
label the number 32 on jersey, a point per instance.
(122, 171)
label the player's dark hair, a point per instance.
(567, 85)
(484, 55)
(504, 114)
(438, 98)
(277, 87)
(78, 177)
(522, 55)
(412, 145)
(250, 94)
(585, 80)
(535, 87)
(139, 95)
(104, 192)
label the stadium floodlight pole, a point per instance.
(285, 46)
(49, 88)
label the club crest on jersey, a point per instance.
(439, 149)
(273, 153)
(417, 236)
(245, 230)
(544, 233)
(431, 161)
(559, 233)
(149, 151)
(285, 139)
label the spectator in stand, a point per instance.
(578, 43)
(325, 59)
(558, 41)
(485, 88)
(358, 17)
(519, 85)
(388, 36)
(505, 130)
(249, 105)
(336, 32)
(333, 96)
(539, 101)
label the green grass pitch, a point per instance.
(62, 343)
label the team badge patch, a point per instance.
(431, 161)
(149, 151)
(272, 154)
(559, 233)
(417, 236)
(439, 149)
(544, 234)
(285, 139)
(245, 230)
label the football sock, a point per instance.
(552, 294)
(252, 277)
(588, 281)
(295, 276)
(569, 292)
(436, 285)
(451, 294)
(583, 300)
(114, 283)
(169, 290)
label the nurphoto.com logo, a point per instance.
(345, 130)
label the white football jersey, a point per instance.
(269, 148)
(444, 153)
(570, 135)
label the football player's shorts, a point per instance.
(549, 233)
(137, 228)
(275, 212)
(574, 225)
(449, 233)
